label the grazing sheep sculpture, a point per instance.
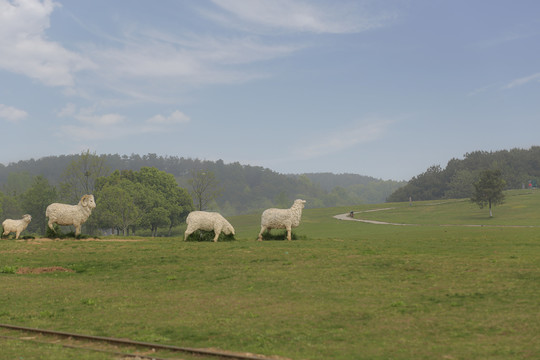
(76, 215)
(16, 226)
(282, 218)
(207, 221)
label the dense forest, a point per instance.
(243, 188)
(519, 167)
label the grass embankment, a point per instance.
(345, 290)
(519, 209)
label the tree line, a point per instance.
(129, 201)
(238, 189)
(518, 168)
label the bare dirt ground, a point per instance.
(42, 270)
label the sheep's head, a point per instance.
(88, 201)
(228, 229)
(27, 217)
(299, 203)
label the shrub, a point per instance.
(58, 234)
(53, 234)
(281, 235)
(8, 269)
(201, 235)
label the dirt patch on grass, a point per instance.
(111, 240)
(42, 270)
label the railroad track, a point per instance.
(126, 342)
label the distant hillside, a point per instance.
(245, 188)
(328, 181)
(518, 166)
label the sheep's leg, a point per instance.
(263, 229)
(50, 223)
(17, 234)
(77, 229)
(217, 231)
(289, 233)
(187, 233)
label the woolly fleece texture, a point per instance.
(16, 226)
(282, 218)
(76, 215)
(207, 221)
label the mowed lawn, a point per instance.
(343, 290)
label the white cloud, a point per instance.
(101, 120)
(168, 59)
(68, 110)
(87, 115)
(190, 59)
(96, 127)
(177, 117)
(304, 16)
(25, 48)
(11, 114)
(478, 91)
(345, 138)
(218, 59)
(87, 133)
(92, 126)
(523, 81)
(172, 61)
(501, 40)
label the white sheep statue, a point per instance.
(282, 218)
(76, 215)
(207, 221)
(16, 226)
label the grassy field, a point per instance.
(344, 290)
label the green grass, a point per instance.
(519, 209)
(344, 290)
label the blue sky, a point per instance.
(378, 88)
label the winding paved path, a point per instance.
(347, 217)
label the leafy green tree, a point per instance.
(488, 190)
(282, 200)
(204, 188)
(79, 177)
(35, 201)
(339, 196)
(461, 185)
(18, 182)
(174, 199)
(11, 207)
(179, 205)
(117, 208)
(157, 217)
(154, 196)
(429, 185)
(147, 200)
